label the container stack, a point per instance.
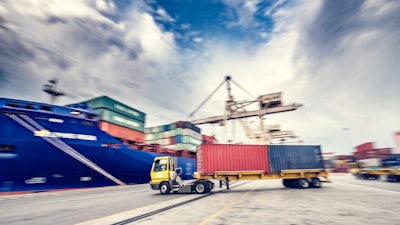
(368, 151)
(182, 137)
(370, 157)
(119, 120)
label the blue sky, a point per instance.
(338, 58)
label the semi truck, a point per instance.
(392, 174)
(297, 167)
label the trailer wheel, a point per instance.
(165, 188)
(201, 187)
(303, 183)
(315, 182)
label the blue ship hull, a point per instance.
(45, 147)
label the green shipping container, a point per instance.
(111, 104)
(119, 119)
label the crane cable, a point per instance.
(243, 89)
(205, 101)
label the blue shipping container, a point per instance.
(391, 160)
(178, 138)
(291, 157)
(166, 127)
(195, 128)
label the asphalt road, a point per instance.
(345, 201)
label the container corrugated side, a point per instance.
(122, 132)
(119, 119)
(229, 157)
(289, 157)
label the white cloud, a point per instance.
(164, 15)
(198, 39)
(244, 10)
(344, 79)
(107, 6)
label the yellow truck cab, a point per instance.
(165, 176)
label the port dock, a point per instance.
(345, 200)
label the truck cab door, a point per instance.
(160, 170)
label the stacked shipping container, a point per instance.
(392, 160)
(365, 147)
(270, 159)
(373, 153)
(179, 136)
(119, 120)
(370, 157)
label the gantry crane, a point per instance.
(267, 104)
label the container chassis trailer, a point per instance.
(165, 177)
(392, 175)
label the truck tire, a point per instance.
(315, 182)
(201, 187)
(165, 188)
(302, 183)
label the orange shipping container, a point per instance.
(122, 132)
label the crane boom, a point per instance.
(239, 115)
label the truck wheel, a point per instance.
(302, 183)
(315, 182)
(165, 188)
(200, 187)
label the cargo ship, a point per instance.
(46, 146)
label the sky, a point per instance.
(340, 59)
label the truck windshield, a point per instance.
(160, 165)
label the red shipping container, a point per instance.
(122, 132)
(208, 139)
(365, 147)
(172, 140)
(384, 151)
(229, 157)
